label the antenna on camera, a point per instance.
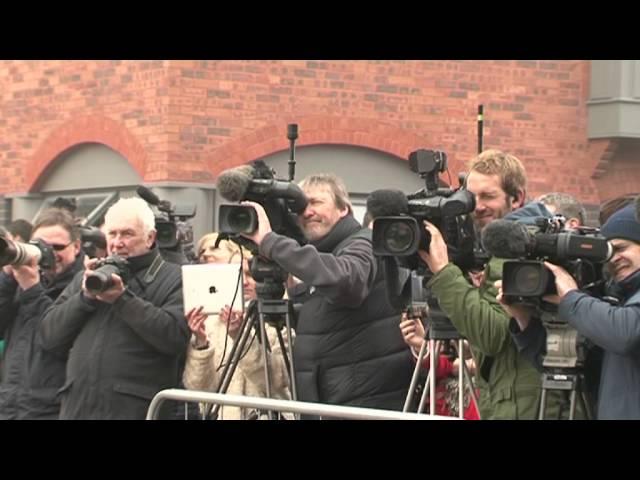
(480, 125)
(292, 135)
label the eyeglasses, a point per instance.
(59, 248)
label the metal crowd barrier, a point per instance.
(320, 409)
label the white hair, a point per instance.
(137, 207)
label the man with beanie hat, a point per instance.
(614, 328)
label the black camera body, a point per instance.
(99, 279)
(582, 252)
(19, 253)
(403, 235)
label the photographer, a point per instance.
(31, 375)
(125, 342)
(616, 329)
(210, 347)
(509, 385)
(348, 350)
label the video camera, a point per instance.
(174, 232)
(582, 252)
(281, 199)
(398, 230)
(99, 279)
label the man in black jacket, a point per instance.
(348, 348)
(124, 343)
(31, 375)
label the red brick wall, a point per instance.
(187, 120)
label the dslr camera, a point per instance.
(18, 253)
(99, 279)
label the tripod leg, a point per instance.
(543, 401)
(292, 371)
(434, 348)
(467, 378)
(265, 358)
(572, 407)
(232, 362)
(423, 398)
(414, 378)
(461, 379)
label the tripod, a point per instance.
(440, 333)
(268, 308)
(568, 381)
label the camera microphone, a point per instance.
(387, 203)
(147, 195)
(506, 239)
(238, 184)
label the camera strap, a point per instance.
(153, 270)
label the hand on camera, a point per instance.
(89, 266)
(437, 257)
(27, 275)
(114, 292)
(196, 320)
(264, 225)
(521, 313)
(233, 318)
(564, 283)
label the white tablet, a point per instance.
(212, 285)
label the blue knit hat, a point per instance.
(622, 224)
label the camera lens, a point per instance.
(527, 279)
(398, 237)
(241, 221)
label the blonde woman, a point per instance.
(212, 339)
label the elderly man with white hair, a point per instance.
(125, 342)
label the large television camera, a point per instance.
(174, 231)
(582, 252)
(526, 280)
(398, 228)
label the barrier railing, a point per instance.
(320, 409)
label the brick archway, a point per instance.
(314, 130)
(87, 129)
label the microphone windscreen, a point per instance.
(233, 183)
(147, 195)
(387, 203)
(506, 239)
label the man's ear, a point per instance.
(151, 238)
(573, 223)
(518, 200)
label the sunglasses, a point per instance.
(59, 248)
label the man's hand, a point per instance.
(27, 275)
(264, 225)
(521, 313)
(437, 257)
(564, 283)
(476, 278)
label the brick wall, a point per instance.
(187, 120)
